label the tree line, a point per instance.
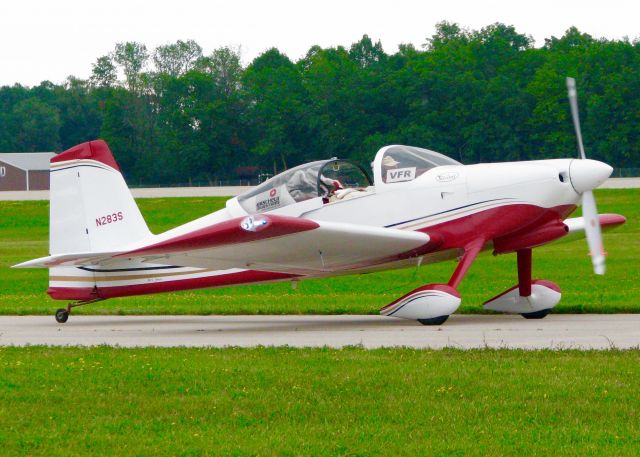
(174, 114)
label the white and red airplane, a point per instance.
(326, 218)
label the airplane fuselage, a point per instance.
(457, 203)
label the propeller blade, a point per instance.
(573, 101)
(589, 210)
(593, 232)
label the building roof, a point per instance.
(27, 160)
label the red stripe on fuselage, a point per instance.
(495, 222)
(242, 277)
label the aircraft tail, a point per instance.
(91, 208)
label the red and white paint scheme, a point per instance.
(433, 303)
(321, 219)
(536, 301)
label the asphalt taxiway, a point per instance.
(556, 331)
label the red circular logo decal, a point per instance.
(273, 193)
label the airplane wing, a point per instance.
(265, 242)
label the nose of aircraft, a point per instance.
(586, 174)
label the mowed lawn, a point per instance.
(24, 235)
(264, 401)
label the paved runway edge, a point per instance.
(557, 331)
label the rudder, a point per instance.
(91, 207)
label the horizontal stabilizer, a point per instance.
(77, 259)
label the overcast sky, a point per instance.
(49, 40)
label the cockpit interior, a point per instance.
(336, 179)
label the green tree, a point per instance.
(79, 109)
(9, 97)
(132, 57)
(178, 58)
(103, 72)
(225, 67)
(476, 95)
(276, 99)
(37, 126)
(365, 53)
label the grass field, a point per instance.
(24, 234)
(105, 401)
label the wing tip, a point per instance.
(35, 263)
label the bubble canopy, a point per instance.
(310, 180)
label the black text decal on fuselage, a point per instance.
(109, 219)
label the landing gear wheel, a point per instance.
(536, 314)
(434, 320)
(62, 315)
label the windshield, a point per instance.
(340, 174)
(406, 163)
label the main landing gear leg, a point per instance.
(524, 282)
(470, 254)
(62, 315)
(434, 303)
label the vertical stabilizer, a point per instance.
(91, 207)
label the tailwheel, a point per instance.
(536, 314)
(434, 320)
(62, 315)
